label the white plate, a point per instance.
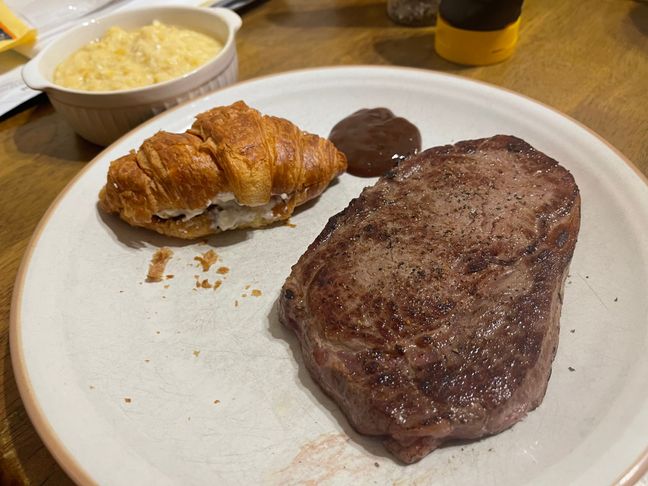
(120, 377)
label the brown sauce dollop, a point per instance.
(375, 140)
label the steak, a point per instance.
(429, 308)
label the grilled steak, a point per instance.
(428, 309)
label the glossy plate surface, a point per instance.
(131, 382)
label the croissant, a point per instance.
(234, 168)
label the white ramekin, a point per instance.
(103, 116)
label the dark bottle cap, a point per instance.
(480, 15)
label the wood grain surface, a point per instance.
(586, 58)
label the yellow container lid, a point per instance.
(475, 47)
(13, 31)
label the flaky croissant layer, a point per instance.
(234, 168)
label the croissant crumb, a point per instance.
(158, 264)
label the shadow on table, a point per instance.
(416, 50)
(412, 47)
(639, 18)
(31, 463)
(367, 16)
(46, 133)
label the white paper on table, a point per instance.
(13, 90)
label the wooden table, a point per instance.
(587, 58)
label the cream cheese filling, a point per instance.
(187, 214)
(227, 213)
(232, 215)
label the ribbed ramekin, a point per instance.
(103, 116)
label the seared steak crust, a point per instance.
(429, 308)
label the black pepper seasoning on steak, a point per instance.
(429, 308)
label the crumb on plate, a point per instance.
(158, 263)
(207, 259)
